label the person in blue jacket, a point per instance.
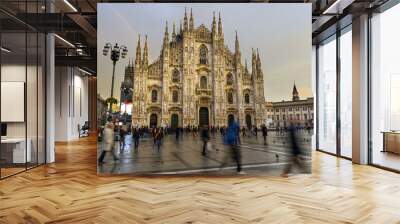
(232, 139)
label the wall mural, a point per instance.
(193, 88)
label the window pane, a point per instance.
(346, 94)
(385, 88)
(327, 96)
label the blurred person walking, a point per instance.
(265, 133)
(177, 133)
(108, 136)
(122, 134)
(232, 139)
(136, 137)
(295, 152)
(159, 134)
(205, 136)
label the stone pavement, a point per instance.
(184, 156)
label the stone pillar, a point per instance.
(50, 98)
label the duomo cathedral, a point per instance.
(196, 80)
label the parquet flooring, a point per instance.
(70, 191)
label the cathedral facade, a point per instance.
(196, 80)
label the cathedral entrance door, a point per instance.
(248, 121)
(153, 120)
(203, 116)
(174, 121)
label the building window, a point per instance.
(305, 117)
(247, 98)
(229, 79)
(277, 110)
(175, 76)
(230, 97)
(327, 95)
(175, 96)
(154, 95)
(203, 55)
(203, 82)
(283, 117)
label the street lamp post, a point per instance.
(116, 52)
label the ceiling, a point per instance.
(75, 22)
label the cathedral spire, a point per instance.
(253, 62)
(138, 54)
(237, 49)
(220, 33)
(145, 54)
(166, 34)
(173, 31)
(259, 69)
(214, 25)
(191, 22)
(185, 22)
(180, 26)
(246, 70)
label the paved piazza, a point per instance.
(184, 156)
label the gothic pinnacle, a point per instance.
(185, 21)
(219, 24)
(173, 30)
(213, 29)
(191, 26)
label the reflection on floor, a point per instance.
(7, 171)
(387, 159)
(70, 191)
(185, 155)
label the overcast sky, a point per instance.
(282, 32)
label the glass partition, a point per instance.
(22, 66)
(13, 93)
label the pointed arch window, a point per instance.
(203, 82)
(175, 96)
(229, 79)
(176, 76)
(203, 55)
(230, 97)
(154, 95)
(246, 98)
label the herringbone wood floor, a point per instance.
(70, 191)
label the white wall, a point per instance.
(71, 102)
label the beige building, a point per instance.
(196, 80)
(298, 112)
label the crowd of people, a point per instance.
(231, 136)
